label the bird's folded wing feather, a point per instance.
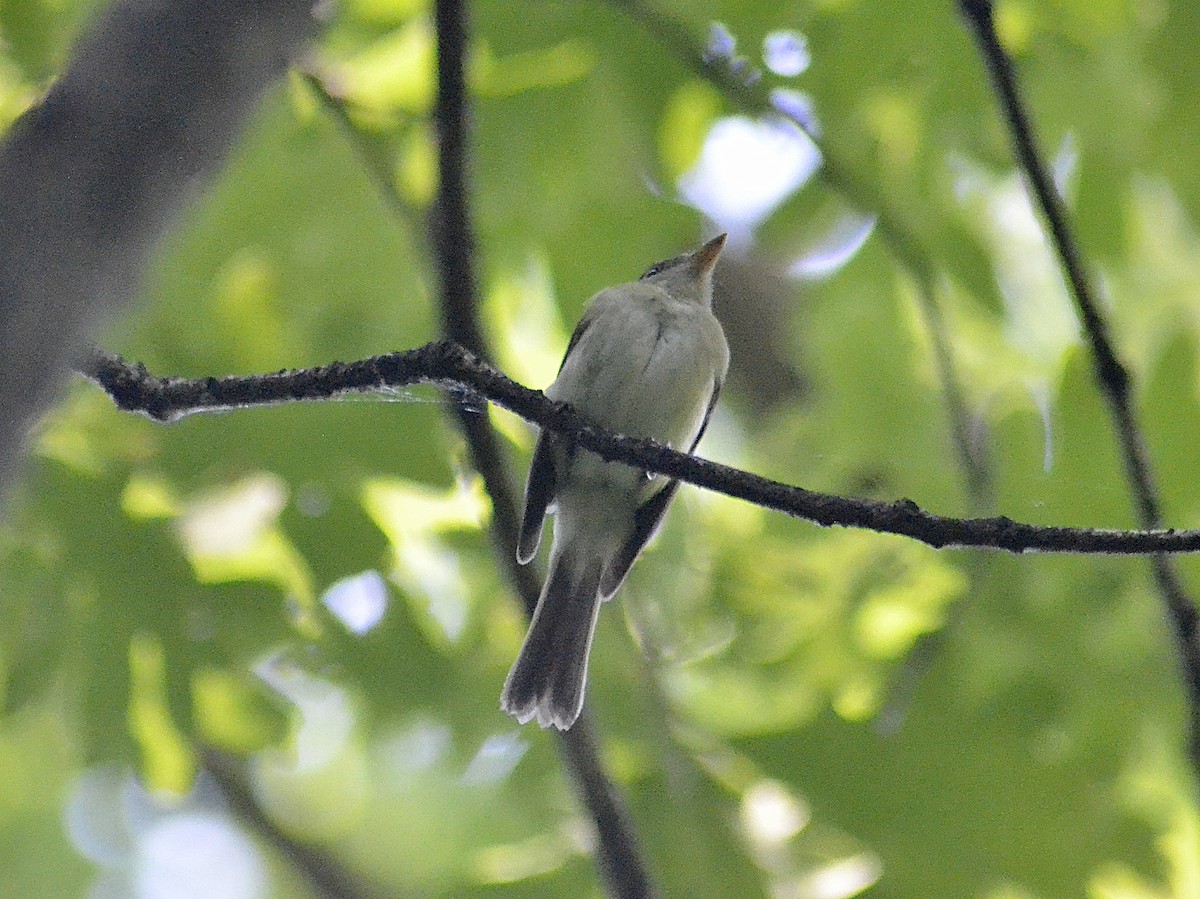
(648, 518)
(540, 486)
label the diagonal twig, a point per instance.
(326, 876)
(1111, 374)
(443, 362)
(370, 150)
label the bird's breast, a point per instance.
(645, 369)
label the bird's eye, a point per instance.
(660, 267)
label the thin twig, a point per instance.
(1111, 374)
(619, 855)
(370, 150)
(443, 362)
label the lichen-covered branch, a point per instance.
(445, 363)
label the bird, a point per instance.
(647, 360)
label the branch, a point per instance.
(1111, 374)
(453, 236)
(618, 855)
(151, 100)
(326, 876)
(445, 363)
(371, 150)
(453, 243)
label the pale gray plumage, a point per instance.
(647, 360)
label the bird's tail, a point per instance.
(547, 680)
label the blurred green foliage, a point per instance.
(170, 590)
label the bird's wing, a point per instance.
(584, 324)
(648, 518)
(539, 494)
(541, 485)
(712, 404)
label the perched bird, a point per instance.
(647, 360)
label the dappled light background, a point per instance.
(244, 642)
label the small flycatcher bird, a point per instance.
(647, 360)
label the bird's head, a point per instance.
(688, 277)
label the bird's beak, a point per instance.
(705, 259)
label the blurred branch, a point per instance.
(966, 429)
(752, 96)
(370, 149)
(619, 855)
(151, 100)
(327, 877)
(443, 362)
(1111, 374)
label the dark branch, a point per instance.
(1111, 373)
(453, 243)
(445, 363)
(328, 878)
(453, 236)
(153, 97)
(618, 856)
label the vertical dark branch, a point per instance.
(619, 856)
(454, 251)
(453, 238)
(454, 254)
(618, 853)
(1111, 373)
